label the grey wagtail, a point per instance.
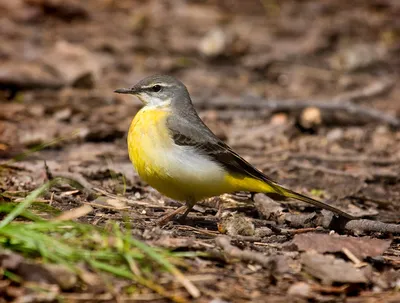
(177, 154)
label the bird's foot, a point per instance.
(171, 215)
(182, 219)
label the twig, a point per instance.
(349, 254)
(373, 90)
(303, 230)
(364, 225)
(109, 207)
(250, 102)
(328, 170)
(131, 202)
(246, 255)
(330, 289)
(327, 220)
(74, 213)
(199, 230)
(373, 175)
(248, 239)
(345, 159)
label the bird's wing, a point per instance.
(200, 137)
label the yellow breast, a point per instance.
(146, 138)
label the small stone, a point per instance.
(300, 289)
(234, 224)
(279, 119)
(214, 43)
(63, 114)
(334, 135)
(311, 117)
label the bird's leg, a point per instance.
(170, 215)
(220, 209)
(189, 207)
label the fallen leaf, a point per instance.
(267, 207)
(323, 243)
(329, 269)
(29, 271)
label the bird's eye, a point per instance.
(156, 88)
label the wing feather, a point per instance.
(202, 139)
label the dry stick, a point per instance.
(199, 230)
(364, 225)
(74, 213)
(96, 205)
(330, 171)
(250, 102)
(340, 158)
(131, 202)
(375, 89)
(128, 201)
(303, 230)
(328, 221)
(372, 175)
(246, 255)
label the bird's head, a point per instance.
(159, 91)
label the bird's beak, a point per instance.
(125, 91)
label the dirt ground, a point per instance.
(307, 91)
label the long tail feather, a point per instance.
(292, 194)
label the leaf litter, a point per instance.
(309, 102)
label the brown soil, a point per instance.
(246, 64)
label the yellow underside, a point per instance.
(149, 145)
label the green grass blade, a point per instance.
(23, 205)
(151, 252)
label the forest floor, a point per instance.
(304, 90)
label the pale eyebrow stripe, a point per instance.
(161, 84)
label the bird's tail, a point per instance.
(292, 194)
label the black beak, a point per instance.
(125, 91)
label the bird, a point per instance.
(173, 150)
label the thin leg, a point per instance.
(170, 215)
(189, 207)
(220, 209)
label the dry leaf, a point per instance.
(360, 247)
